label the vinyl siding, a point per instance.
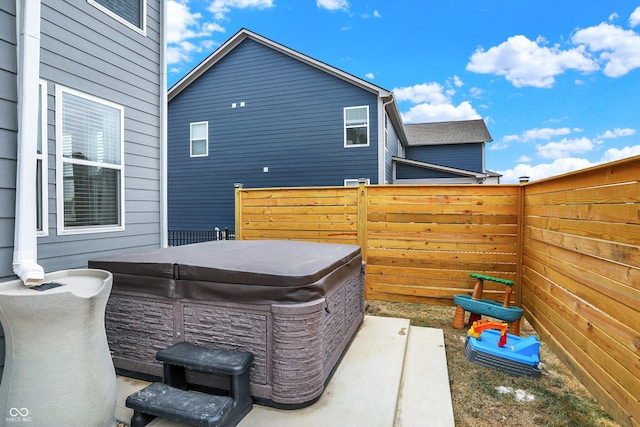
(391, 150)
(87, 50)
(84, 49)
(8, 135)
(459, 156)
(413, 172)
(292, 123)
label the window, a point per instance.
(356, 126)
(350, 182)
(130, 12)
(42, 208)
(90, 165)
(199, 137)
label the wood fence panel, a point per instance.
(325, 214)
(581, 277)
(423, 241)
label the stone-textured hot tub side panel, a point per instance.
(295, 345)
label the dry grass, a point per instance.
(555, 399)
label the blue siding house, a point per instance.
(444, 152)
(259, 113)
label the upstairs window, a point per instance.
(130, 12)
(90, 165)
(356, 126)
(199, 137)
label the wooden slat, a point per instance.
(621, 233)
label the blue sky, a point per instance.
(556, 81)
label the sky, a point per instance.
(557, 82)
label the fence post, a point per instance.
(362, 217)
(238, 217)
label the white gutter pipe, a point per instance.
(164, 224)
(25, 243)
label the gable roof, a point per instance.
(453, 132)
(387, 96)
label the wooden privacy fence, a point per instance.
(420, 242)
(571, 243)
(581, 278)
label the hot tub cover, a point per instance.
(258, 271)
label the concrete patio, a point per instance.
(393, 374)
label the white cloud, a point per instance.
(562, 165)
(183, 26)
(370, 76)
(476, 92)
(538, 134)
(422, 113)
(525, 62)
(220, 8)
(333, 4)
(620, 48)
(564, 148)
(613, 154)
(543, 170)
(617, 132)
(375, 14)
(634, 19)
(426, 92)
(433, 103)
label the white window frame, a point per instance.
(61, 160)
(354, 182)
(142, 30)
(346, 145)
(206, 139)
(42, 158)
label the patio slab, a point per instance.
(391, 375)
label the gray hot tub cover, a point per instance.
(255, 271)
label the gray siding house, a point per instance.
(100, 105)
(258, 113)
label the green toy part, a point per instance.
(492, 279)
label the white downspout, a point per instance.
(164, 233)
(25, 243)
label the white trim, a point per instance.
(60, 160)
(142, 30)
(206, 139)
(44, 159)
(382, 144)
(344, 125)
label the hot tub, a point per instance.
(294, 305)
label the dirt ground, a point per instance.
(488, 397)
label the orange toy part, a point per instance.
(482, 325)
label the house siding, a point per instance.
(292, 123)
(459, 156)
(391, 149)
(85, 49)
(8, 133)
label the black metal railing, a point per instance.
(187, 237)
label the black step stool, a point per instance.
(171, 399)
